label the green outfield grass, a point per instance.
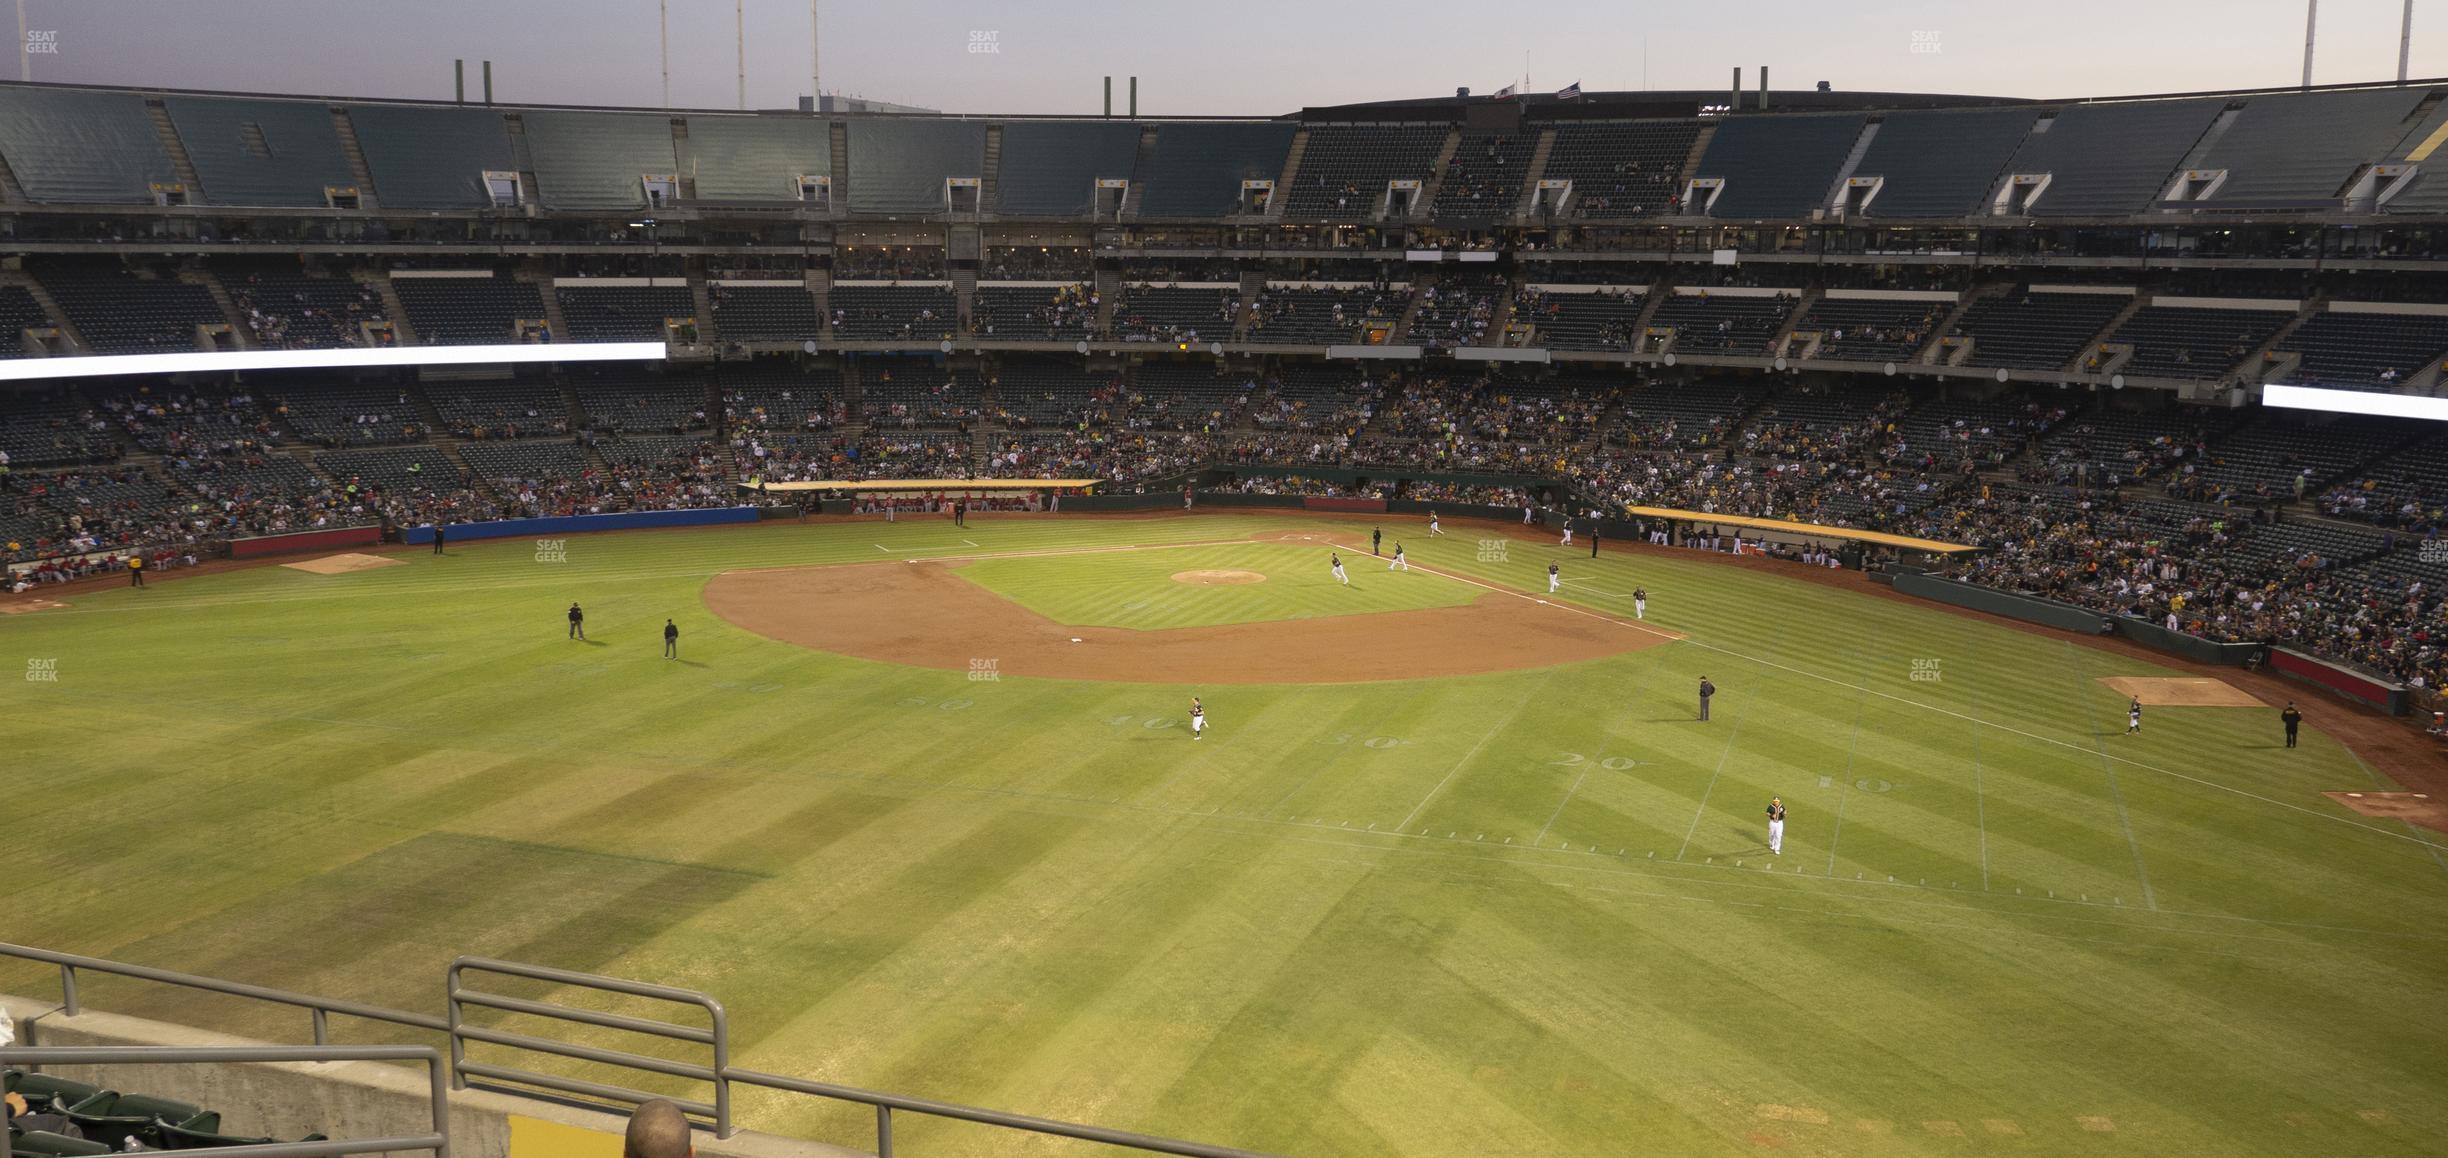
(1136, 589)
(1504, 914)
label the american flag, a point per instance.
(1505, 93)
(1570, 92)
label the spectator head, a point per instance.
(658, 1130)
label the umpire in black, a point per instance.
(2292, 719)
(1707, 689)
(671, 640)
(577, 620)
(438, 537)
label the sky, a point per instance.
(1209, 57)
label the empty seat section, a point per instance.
(768, 312)
(1941, 164)
(2192, 342)
(758, 158)
(1197, 170)
(1871, 329)
(887, 313)
(461, 311)
(2109, 160)
(623, 313)
(1050, 168)
(898, 165)
(1032, 313)
(1777, 166)
(72, 146)
(1722, 324)
(2036, 331)
(423, 157)
(261, 152)
(1482, 183)
(589, 160)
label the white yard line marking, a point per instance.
(1559, 808)
(2124, 819)
(1722, 757)
(1844, 795)
(1456, 770)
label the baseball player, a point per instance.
(1338, 570)
(1433, 529)
(1555, 579)
(1776, 825)
(1400, 563)
(1376, 536)
(1640, 603)
(1198, 718)
(1707, 690)
(2133, 716)
(1568, 530)
(577, 620)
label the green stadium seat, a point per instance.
(39, 1144)
(43, 1092)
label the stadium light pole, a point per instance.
(816, 53)
(25, 60)
(739, 24)
(2311, 24)
(663, 36)
(2405, 41)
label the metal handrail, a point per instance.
(437, 1141)
(720, 1074)
(717, 1034)
(70, 963)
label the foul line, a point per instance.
(1844, 791)
(1705, 793)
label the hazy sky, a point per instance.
(1212, 57)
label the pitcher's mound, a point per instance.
(2414, 807)
(1218, 578)
(2182, 692)
(342, 564)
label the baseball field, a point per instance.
(1454, 870)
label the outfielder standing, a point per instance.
(1338, 570)
(671, 640)
(1198, 718)
(1776, 825)
(1640, 603)
(577, 620)
(2133, 716)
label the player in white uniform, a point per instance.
(1198, 718)
(1568, 530)
(2133, 716)
(1433, 529)
(1640, 603)
(1776, 825)
(1400, 563)
(1338, 571)
(1555, 579)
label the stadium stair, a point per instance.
(1499, 325)
(180, 163)
(1531, 173)
(241, 336)
(990, 190)
(1940, 352)
(1291, 172)
(9, 188)
(50, 306)
(1140, 164)
(680, 148)
(1253, 283)
(1436, 175)
(552, 305)
(1776, 342)
(401, 329)
(2099, 343)
(701, 302)
(359, 172)
(839, 143)
(1691, 161)
(1861, 148)
(1109, 293)
(1419, 297)
(820, 287)
(964, 294)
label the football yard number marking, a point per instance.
(1611, 763)
(962, 704)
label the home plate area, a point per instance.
(2182, 692)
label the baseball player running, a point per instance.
(1555, 579)
(1568, 531)
(1433, 529)
(1640, 603)
(1198, 718)
(1400, 563)
(2133, 716)
(1776, 825)
(1338, 570)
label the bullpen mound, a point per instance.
(924, 615)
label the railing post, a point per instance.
(441, 1103)
(450, 1004)
(722, 1068)
(68, 998)
(322, 1027)
(883, 1132)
